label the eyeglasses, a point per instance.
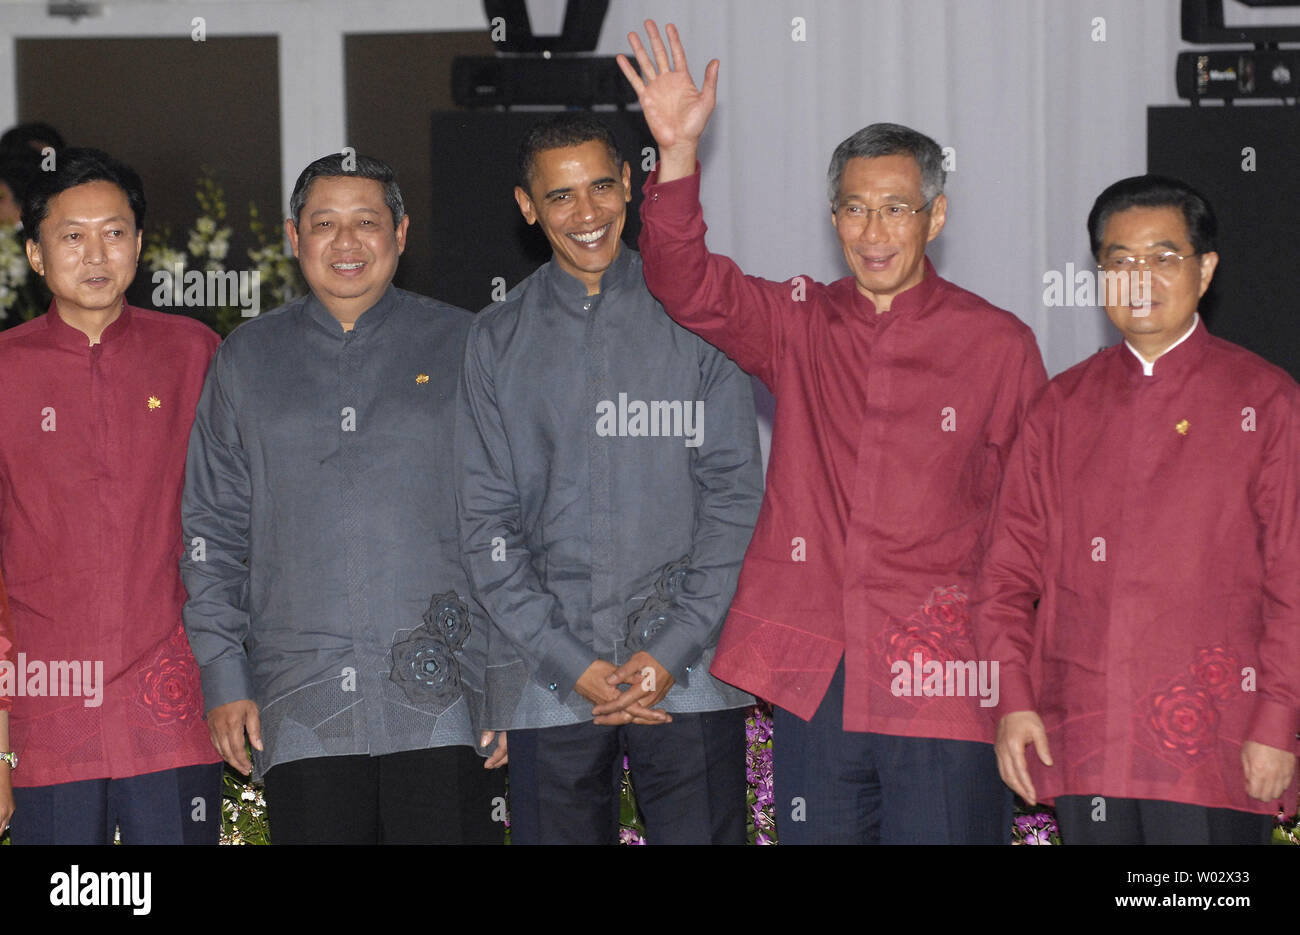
(1164, 263)
(892, 215)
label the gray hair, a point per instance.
(889, 139)
(332, 166)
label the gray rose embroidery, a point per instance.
(646, 621)
(424, 664)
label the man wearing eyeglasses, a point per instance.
(898, 395)
(1151, 508)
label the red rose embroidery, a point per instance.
(1216, 670)
(169, 686)
(947, 607)
(934, 631)
(1184, 718)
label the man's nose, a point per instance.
(874, 230)
(345, 235)
(586, 206)
(95, 251)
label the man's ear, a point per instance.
(291, 231)
(1209, 263)
(525, 203)
(938, 216)
(627, 182)
(35, 258)
(401, 234)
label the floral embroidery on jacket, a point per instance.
(169, 686)
(1184, 716)
(647, 620)
(424, 663)
(937, 631)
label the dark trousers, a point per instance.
(441, 795)
(1148, 821)
(834, 786)
(688, 776)
(172, 806)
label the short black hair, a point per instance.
(571, 128)
(22, 136)
(79, 166)
(1155, 191)
(17, 171)
(364, 167)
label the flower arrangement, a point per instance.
(22, 293)
(207, 245)
(243, 811)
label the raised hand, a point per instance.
(675, 109)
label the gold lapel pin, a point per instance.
(422, 378)
(1183, 426)
(154, 403)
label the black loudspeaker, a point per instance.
(1243, 160)
(481, 244)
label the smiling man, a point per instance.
(605, 546)
(328, 608)
(898, 396)
(1151, 511)
(98, 398)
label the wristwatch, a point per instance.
(11, 759)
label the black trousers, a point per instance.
(1148, 821)
(688, 776)
(441, 795)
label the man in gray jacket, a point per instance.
(609, 482)
(328, 608)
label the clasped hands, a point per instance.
(648, 682)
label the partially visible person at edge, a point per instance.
(1151, 512)
(98, 402)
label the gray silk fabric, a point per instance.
(608, 485)
(324, 460)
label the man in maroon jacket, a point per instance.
(1141, 589)
(107, 716)
(898, 396)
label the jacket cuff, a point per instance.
(679, 196)
(1274, 725)
(563, 666)
(675, 650)
(1015, 693)
(224, 681)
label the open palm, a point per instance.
(674, 108)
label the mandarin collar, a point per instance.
(907, 302)
(1174, 362)
(64, 335)
(366, 322)
(569, 287)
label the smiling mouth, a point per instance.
(877, 262)
(348, 267)
(591, 238)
